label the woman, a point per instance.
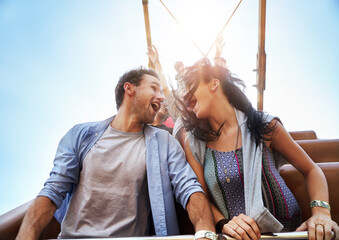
(178, 130)
(232, 149)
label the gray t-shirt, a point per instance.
(112, 196)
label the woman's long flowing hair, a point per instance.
(200, 128)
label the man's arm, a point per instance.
(63, 176)
(200, 212)
(36, 219)
(188, 190)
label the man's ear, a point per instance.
(214, 84)
(129, 88)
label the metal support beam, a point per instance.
(261, 56)
(148, 29)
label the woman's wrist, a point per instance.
(319, 203)
(322, 207)
(320, 210)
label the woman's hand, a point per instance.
(242, 227)
(219, 45)
(320, 226)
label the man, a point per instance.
(120, 173)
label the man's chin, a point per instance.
(149, 120)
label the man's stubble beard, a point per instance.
(138, 110)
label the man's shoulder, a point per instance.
(94, 126)
(85, 125)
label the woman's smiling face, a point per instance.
(201, 100)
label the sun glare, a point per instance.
(185, 30)
(201, 20)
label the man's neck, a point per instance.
(126, 122)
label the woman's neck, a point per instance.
(224, 113)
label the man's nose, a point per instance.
(160, 96)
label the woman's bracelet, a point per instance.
(318, 203)
(220, 224)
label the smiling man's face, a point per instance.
(148, 99)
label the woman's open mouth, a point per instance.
(191, 104)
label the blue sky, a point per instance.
(60, 61)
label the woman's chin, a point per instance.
(201, 115)
(198, 115)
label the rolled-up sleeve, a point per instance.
(183, 178)
(65, 172)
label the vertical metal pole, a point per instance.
(261, 56)
(148, 29)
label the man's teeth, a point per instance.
(155, 105)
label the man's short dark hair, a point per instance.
(134, 77)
